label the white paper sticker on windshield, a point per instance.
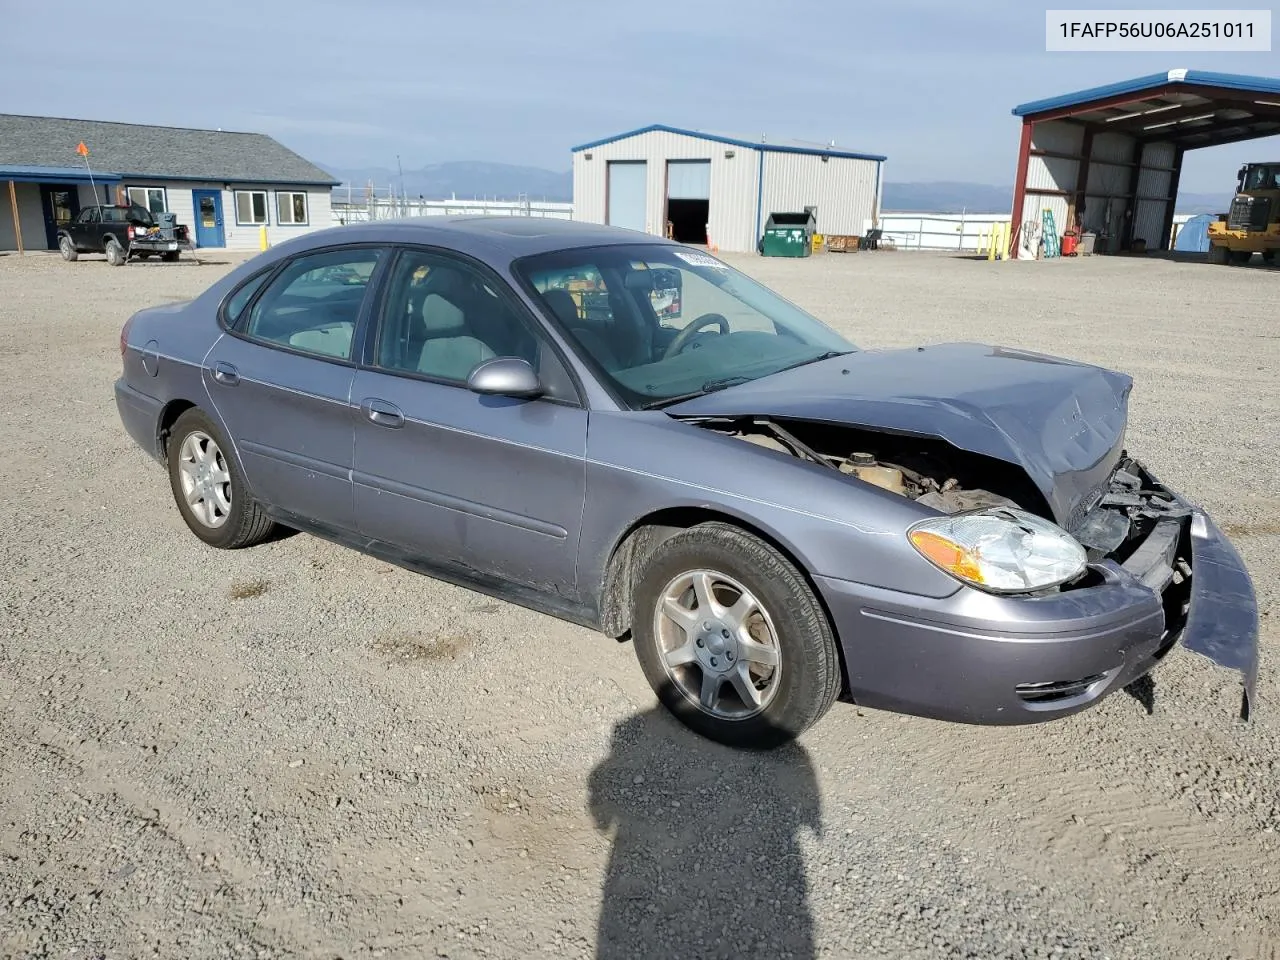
(698, 259)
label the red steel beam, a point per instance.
(1173, 199)
(1131, 196)
(1182, 143)
(1019, 187)
(1082, 179)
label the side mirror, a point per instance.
(505, 377)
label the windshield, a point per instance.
(1263, 177)
(663, 322)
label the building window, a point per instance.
(152, 198)
(251, 207)
(291, 208)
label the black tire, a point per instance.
(115, 253)
(1218, 255)
(245, 524)
(810, 678)
(67, 248)
(169, 256)
(1268, 256)
(1241, 257)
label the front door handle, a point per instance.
(226, 373)
(382, 413)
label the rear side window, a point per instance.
(314, 303)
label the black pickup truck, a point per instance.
(123, 231)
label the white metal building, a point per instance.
(224, 186)
(715, 189)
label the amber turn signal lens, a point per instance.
(950, 556)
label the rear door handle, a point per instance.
(226, 373)
(382, 413)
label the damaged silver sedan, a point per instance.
(629, 434)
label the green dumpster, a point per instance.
(788, 235)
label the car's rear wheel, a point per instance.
(169, 256)
(732, 639)
(209, 488)
(67, 248)
(115, 252)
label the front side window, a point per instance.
(251, 207)
(291, 208)
(616, 302)
(441, 318)
(314, 303)
(151, 198)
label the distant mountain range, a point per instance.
(465, 179)
(469, 179)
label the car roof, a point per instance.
(491, 238)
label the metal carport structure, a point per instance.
(1109, 158)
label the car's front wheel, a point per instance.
(732, 639)
(67, 248)
(209, 488)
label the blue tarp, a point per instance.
(1193, 237)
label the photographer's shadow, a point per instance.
(706, 858)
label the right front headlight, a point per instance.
(1001, 550)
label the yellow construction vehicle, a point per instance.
(1253, 225)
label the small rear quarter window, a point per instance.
(240, 299)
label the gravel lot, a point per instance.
(298, 751)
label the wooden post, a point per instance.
(13, 205)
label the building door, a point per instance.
(625, 201)
(208, 212)
(688, 200)
(60, 206)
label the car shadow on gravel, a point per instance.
(706, 858)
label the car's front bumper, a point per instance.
(978, 658)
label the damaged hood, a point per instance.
(1060, 421)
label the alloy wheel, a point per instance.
(205, 478)
(718, 644)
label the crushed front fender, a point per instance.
(1222, 623)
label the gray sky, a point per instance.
(930, 83)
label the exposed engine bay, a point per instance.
(1111, 523)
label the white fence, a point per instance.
(908, 231)
(384, 208)
(954, 231)
(938, 231)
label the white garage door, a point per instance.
(627, 194)
(688, 179)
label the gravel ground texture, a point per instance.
(296, 750)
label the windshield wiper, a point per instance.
(710, 386)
